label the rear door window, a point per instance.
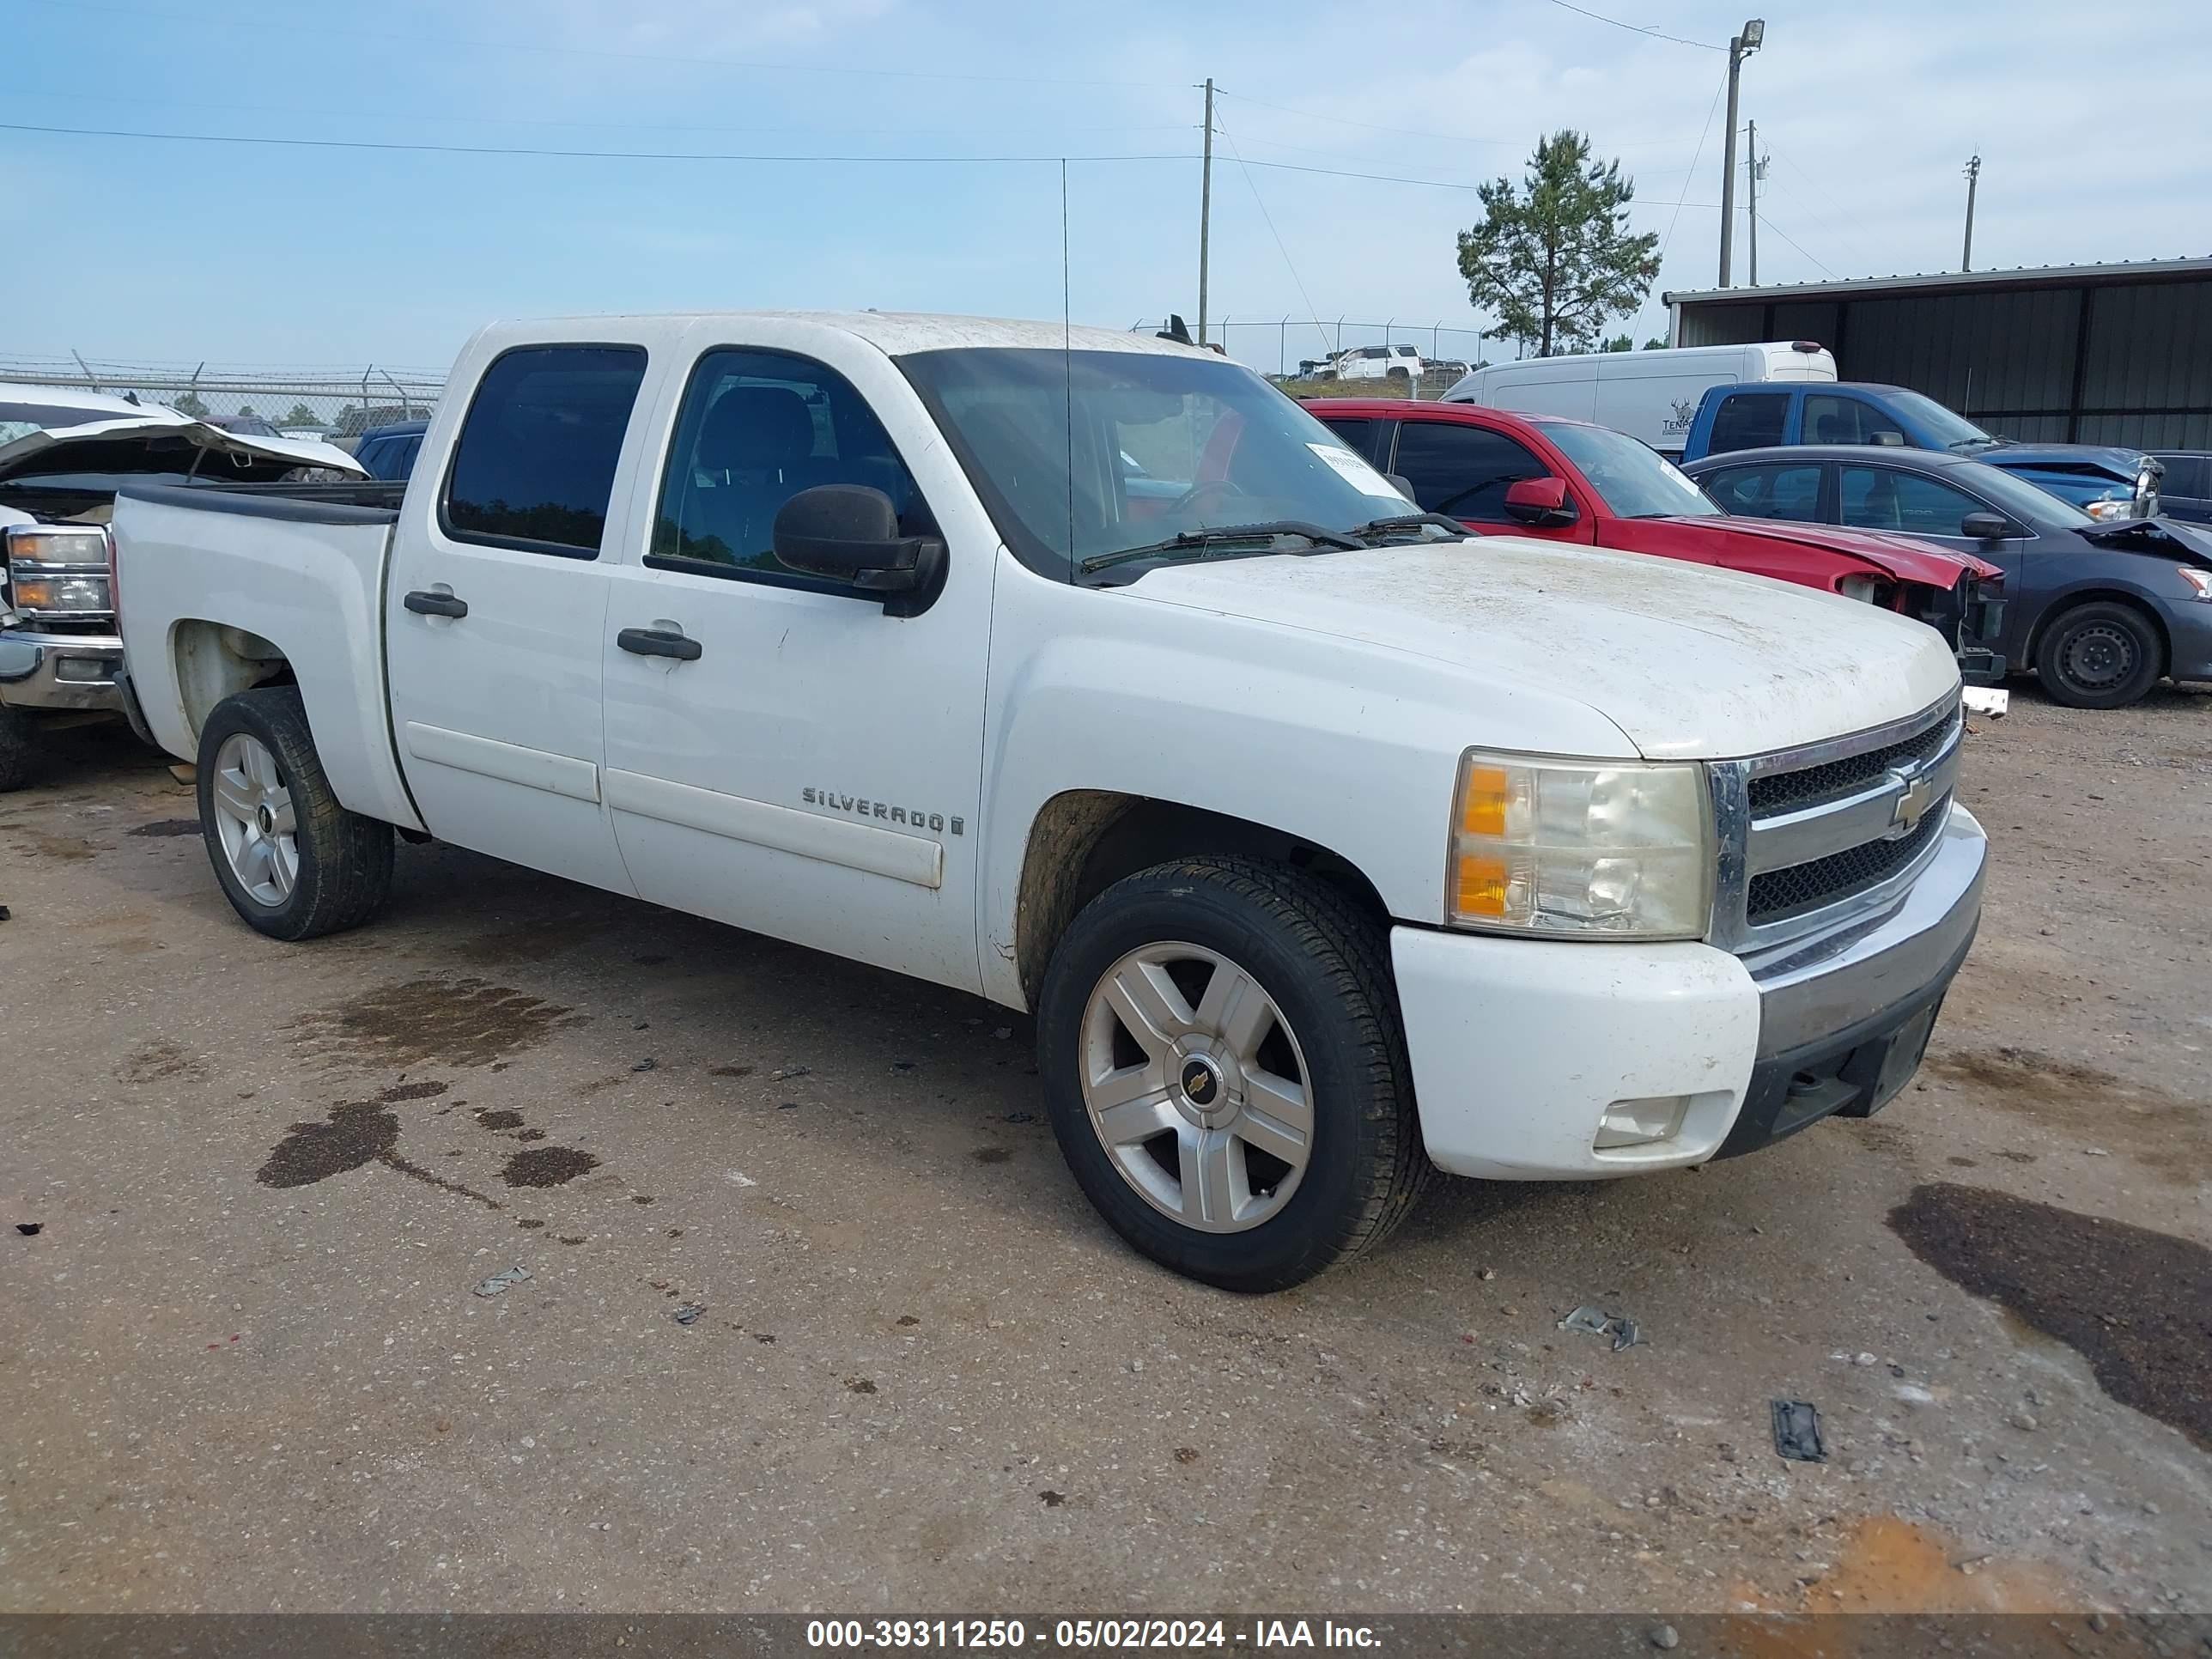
(1749, 419)
(1884, 498)
(1461, 471)
(534, 466)
(1777, 491)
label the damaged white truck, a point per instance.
(64, 453)
(1088, 673)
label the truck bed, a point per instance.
(299, 570)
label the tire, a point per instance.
(1199, 1180)
(18, 749)
(2103, 654)
(320, 869)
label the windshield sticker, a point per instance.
(1355, 472)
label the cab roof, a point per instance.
(894, 333)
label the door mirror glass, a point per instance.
(1985, 526)
(849, 533)
(1539, 502)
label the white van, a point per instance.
(1650, 395)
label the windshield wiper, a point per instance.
(1986, 441)
(1226, 533)
(1406, 521)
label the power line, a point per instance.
(1636, 29)
(1260, 203)
(570, 154)
(1851, 244)
(1786, 237)
(324, 113)
(1689, 177)
(1346, 121)
(263, 28)
(424, 147)
(1407, 132)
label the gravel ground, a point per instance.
(794, 1307)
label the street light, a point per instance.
(1753, 35)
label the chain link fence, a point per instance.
(336, 403)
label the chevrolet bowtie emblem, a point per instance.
(1919, 794)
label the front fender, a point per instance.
(1347, 746)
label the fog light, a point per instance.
(1639, 1122)
(84, 670)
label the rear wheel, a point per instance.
(293, 862)
(1225, 1074)
(2099, 655)
(17, 747)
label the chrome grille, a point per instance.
(1778, 791)
(1798, 888)
(1816, 837)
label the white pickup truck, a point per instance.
(1326, 846)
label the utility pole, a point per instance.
(1205, 208)
(1973, 178)
(1741, 46)
(1751, 183)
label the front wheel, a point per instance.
(293, 863)
(2099, 655)
(1226, 1072)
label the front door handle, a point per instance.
(659, 642)
(435, 604)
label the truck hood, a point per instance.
(159, 439)
(1904, 557)
(1688, 662)
(2120, 465)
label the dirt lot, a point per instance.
(246, 1364)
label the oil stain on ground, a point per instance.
(160, 1061)
(2136, 1304)
(454, 1022)
(166, 827)
(355, 1133)
(547, 1166)
(2166, 1132)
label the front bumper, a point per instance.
(72, 671)
(1520, 1046)
(2189, 639)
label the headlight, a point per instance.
(1617, 849)
(57, 567)
(35, 588)
(2110, 506)
(2199, 580)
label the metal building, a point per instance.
(2119, 354)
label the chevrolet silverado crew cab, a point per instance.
(1327, 844)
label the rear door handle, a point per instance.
(659, 642)
(435, 604)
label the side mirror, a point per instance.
(1540, 501)
(1887, 438)
(1403, 485)
(849, 533)
(1985, 526)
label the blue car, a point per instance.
(2104, 482)
(389, 452)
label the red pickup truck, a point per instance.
(1565, 480)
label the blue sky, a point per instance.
(2092, 149)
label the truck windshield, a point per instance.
(1092, 460)
(1635, 481)
(1947, 427)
